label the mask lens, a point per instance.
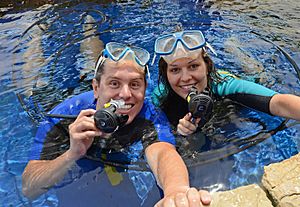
(165, 45)
(193, 40)
(115, 50)
(142, 56)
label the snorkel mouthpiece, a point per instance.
(107, 120)
(117, 103)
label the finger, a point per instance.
(83, 125)
(87, 112)
(76, 130)
(90, 134)
(181, 200)
(197, 121)
(186, 129)
(183, 131)
(193, 197)
(205, 197)
(188, 116)
(88, 121)
(188, 124)
(166, 202)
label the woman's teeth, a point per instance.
(187, 86)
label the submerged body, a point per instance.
(119, 76)
(185, 64)
(229, 86)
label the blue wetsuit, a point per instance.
(241, 91)
(127, 143)
(114, 171)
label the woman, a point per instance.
(184, 65)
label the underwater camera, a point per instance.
(199, 104)
(107, 120)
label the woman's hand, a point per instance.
(190, 197)
(186, 126)
(82, 133)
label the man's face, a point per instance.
(121, 80)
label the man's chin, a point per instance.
(129, 121)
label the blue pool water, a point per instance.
(44, 51)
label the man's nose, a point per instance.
(125, 92)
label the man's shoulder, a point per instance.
(75, 104)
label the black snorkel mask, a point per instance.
(107, 120)
(200, 104)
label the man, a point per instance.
(121, 76)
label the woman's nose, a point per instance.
(125, 92)
(186, 76)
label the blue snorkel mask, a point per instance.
(118, 51)
(180, 44)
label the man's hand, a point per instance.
(186, 126)
(190, 197)
(82, 133)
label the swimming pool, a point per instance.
(46, 48)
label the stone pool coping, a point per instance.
(280, 187)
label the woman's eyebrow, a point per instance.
(192, 61)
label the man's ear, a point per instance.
(95, 85)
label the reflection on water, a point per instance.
(49, 56)
(278, 20)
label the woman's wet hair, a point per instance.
(212, 74)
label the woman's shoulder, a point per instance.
(226, 74)
(231, 84)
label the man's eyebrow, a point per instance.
(117, 78)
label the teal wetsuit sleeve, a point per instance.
(232, 85)
(244, 92)
(158, 94)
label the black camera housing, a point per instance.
(200, 104)
(108, 121)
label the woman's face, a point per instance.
(185, 72)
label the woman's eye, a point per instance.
(114, 84)
(194, 66)
(174, 70)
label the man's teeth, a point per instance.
(127, 106)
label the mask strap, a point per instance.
(147, 70)
(153, 60)
(99, 63)
(211, 49)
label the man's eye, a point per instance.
(114, 84)
(135, 85)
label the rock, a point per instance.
(282, 181)
(245, 196)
